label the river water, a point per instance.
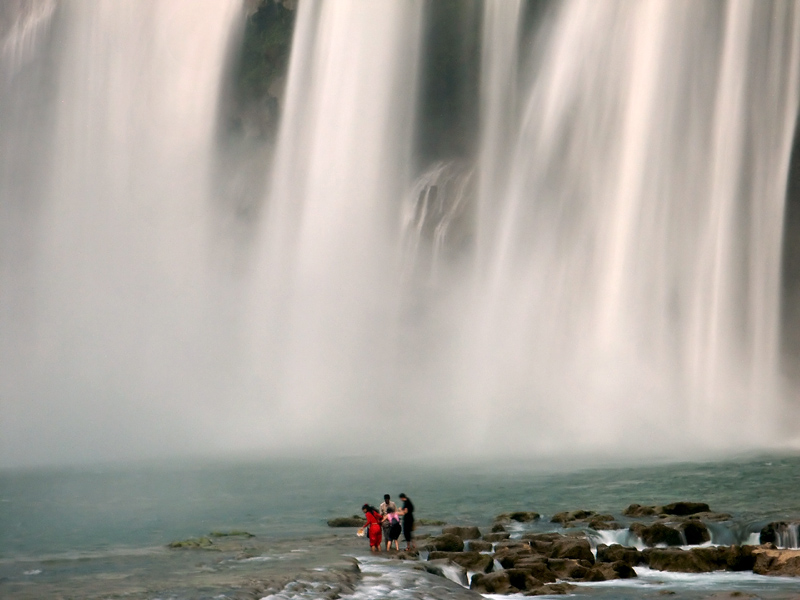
(102, 531)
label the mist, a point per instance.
(581, 259)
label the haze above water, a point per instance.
(602, 279)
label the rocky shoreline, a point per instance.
(675, 537)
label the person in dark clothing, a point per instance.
(408, 521)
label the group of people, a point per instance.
(388, 521)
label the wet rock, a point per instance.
(498, 528)
(616, 553)
(683, 509)
(507, 546)
(573, 547)
(568, 517)
(553, 589)
(203, 543)
(510, 581)
(508, 556)
(657, 533)
(492, 583)
(537, 567)
(608, 571)
(701, 560)
(675, 560)
(471, 561)
(465, 533)
(447, 542)
(520, 517)
(637, 510)
(695, 532)
(522, 580)
(603, 522)
(541, 537)
(785, 563)
(496, 537)
(727, 558)
(480, 546)
(569, 568)
(354, 521)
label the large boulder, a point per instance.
(603, 522)
(727, 558)
(637, 510)
(572, 547)
(785, 563)
(538, 567)
(519, 516)
(569, 568)
(507, 546)
(683, 509)
(657, 534)
(510, 581)
(480, 545)
(565, 518)
(676, 560)
(678, 509)
(465, 533)
(701, 560)
(447, 542)
(695, 532)
(617, 553)
(552, 589)
(522, 580)
(609, 571)
(508, 556)
(492, 583)
(496, 537)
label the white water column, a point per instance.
(103, 352)
(633, 290)
(326, 301)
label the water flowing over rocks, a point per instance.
(780, 533)
(675, 538)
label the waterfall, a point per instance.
(325, 297)
(600, 276)
(635, 219)
(108, 123)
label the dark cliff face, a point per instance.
(447, 123)
(258, 65)
(250, 108)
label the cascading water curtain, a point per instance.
(632, 226)
(324, 302)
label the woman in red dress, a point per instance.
(373, 526)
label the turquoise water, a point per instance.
(62, 528)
